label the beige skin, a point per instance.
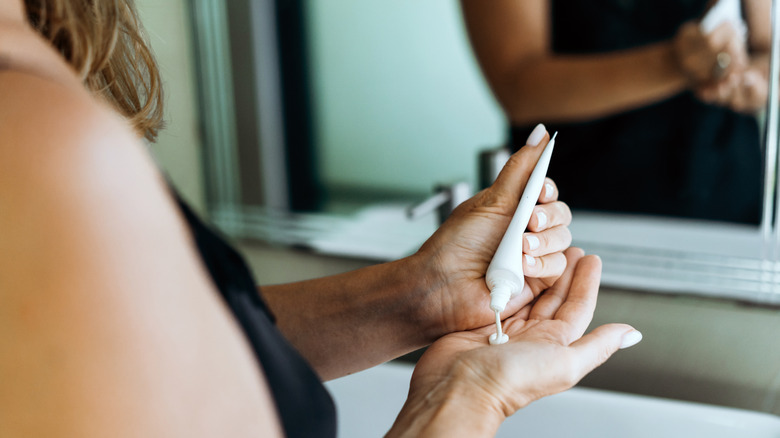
(109, 325)
(511, 39)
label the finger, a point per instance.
(551, 265)
(739, 60)
(549, 192)
(511, 181)
(738, 100)
(549, 215)
(550, 301)
(521, 316)
(546, 242)
(725, 40)
(754, 90)
(727, 90)
(599, 345)
(580, 302)
(722, 38)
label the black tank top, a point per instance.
(303, 404)
(678, 157)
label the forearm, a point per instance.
(759, 62)
(560, 88)
(353, 321)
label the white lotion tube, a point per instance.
(504, 276)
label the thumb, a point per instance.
(512, 179)
(599, 345)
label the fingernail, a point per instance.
(530, 261)
(541, 219)
(630, 339)
(548, 190)
(536, 135)
(533, 241)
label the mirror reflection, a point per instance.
(658, 103)
(657, 100)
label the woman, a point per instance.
(659, 116)
(121, 314)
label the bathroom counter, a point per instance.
(696, 349)
(368, 402)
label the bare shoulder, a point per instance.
(103, 302)
(56, 136)
(11, 10)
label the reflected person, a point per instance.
(659, 117)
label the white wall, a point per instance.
(178, 149)
(400, 102)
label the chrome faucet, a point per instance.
(444, 201)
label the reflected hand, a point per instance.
(709, 58)
(455, 259)
(744, 91)
(546, 353)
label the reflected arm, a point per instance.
(511, 40)
(758, 16)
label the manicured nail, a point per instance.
(530, 261)
(630, 339)
(548, 190)
(533, 241)
(536, 135)
(541, 219)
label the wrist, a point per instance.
(451, 408)
(427, 293)
(671, 62)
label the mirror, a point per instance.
(330, 108)
(654, 124)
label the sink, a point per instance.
(368, 402)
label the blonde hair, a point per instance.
(104, 42)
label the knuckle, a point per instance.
(560, 264)
(545, 243)
(517, 162)
(604, 353)
(493, 198)
(554, 240)
(566, 213)
(567, 237)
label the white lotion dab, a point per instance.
(498, 337)
(504, 276)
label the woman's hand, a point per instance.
(394, 308)
(464, 387)
(454, 260)
(744, 91)
(709, 58)
(720, 69)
